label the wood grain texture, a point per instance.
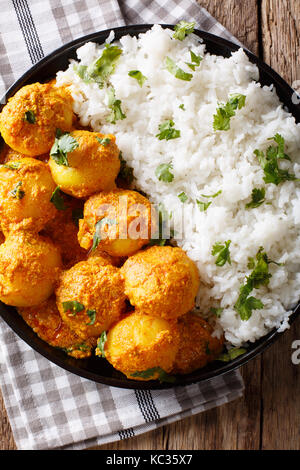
(281, 36)
(240, 17)
(268, 415)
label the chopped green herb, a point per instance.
(58, 200)
(163, 173)
(76, 215)
(98, 230)
(260, 276)
(138, 76)
(30, 117)
(181, 106)
(177, 71)
(269, 162)
(12, 165)
(217, 311)
(17, 192)
(183, 197)
(222, 252)
(126, 172)
(104, 141)
(149, 373)
(203, 206)
(226, 111)
(258, 198)
(163, 218)
(167, 131)
(196, 60)
(115, 107)
(101, 343)
(233, 353)
(101, 69)
(72, 306)
(63, 144)
(212, 195)
(182, 29)
(77, 347)
(92, 315)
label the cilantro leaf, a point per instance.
(98, 230)
(226, 111)
(260, 276)
(182, 29)
(181, 106)
(212, 195)
(12, 165)
(101, 69)
(222, 252)
(167, 131)
(183, 197)
(58, 200)
(149, 373)
(233, 353)
(258, 198)
(269, 162)
(63, 144)
(17, 192)
(29, 116)
(177, 71)
(217, 311)
(138, 76)
(72, 306)
(115, 106)
(92, 315)
(77, 347)
(195, 59)
(126, 172)
(163, 173)
(101, 343)
(81, 71)
(203, 206)
(105, 141)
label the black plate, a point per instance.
(94, 368)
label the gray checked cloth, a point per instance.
(48, 407)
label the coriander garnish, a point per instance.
(72, 306)
(195, 61)
(92, 315)
(105, 141)
(17, 192)
(163, 172)
(258, 198)
(203, 206)
(115, 107)
(101, 344)
(126, 172)
(58, 200)
(226, 111)
(183, 197)
(29, 116)
(182, 29)
(167, 131)
(177, 71)
(63, 144)
(222, 252)
(233, 353)
(140, 78)
(162, 375)
(98, 230)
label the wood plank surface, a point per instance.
(268, 415)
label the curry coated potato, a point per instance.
(26, 187)
(29, 120)
(197, 345)
(29, 267)
(47, 323)
(161, 281)
(142, 346)
(90, 296)
(92, 163)
(118, 222)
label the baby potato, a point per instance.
(26, 187)
(197, 345)
(118, 222)
(142, 346)
(47, 323)
(92, 163)
(161, 281)
(29, 120)
(29, 267)
(90, 296)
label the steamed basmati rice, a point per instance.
(204, 162)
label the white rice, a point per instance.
(204, 162)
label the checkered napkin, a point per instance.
(47, 406)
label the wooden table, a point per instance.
(268, 415)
